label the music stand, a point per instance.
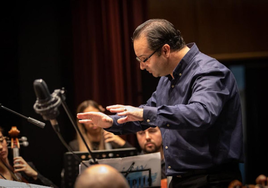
(71, 165)
(140, 170)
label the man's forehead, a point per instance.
(140, 45)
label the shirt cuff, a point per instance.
(116, 127)
(149, 115)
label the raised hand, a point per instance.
(128, 113)
(98, 118)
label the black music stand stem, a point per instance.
(60, 93)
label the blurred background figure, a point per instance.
(150, 141)
(261, 182)
(27, 171)
(101, 176)
(96, 137)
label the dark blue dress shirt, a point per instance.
(198, 113)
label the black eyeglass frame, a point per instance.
(138, 59)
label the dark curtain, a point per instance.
(105, 68)
(256, 128)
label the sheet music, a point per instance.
(16, 184)
(142, 168)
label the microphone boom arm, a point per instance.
(60, 93)
(29, 119)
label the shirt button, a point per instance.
(172, 86)
(148, 120)
(166, 147)
(180, 74)
(169, 167)
(167, 125)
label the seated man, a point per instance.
(150, 141)
(102, 176)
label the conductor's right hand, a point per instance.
(98, 118)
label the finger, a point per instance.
(83, 116)
(116, 108)
(105, 136)
(87, 115)
(124, 113)
(106, 133)
(108, 120)
(19, 166)
(17, 161)
(108, 140)
(85, 121)
(122, 120)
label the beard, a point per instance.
(152, 148)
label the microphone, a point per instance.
(46, 104)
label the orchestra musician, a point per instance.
(96, 138)
(19, 169)
(150, 141)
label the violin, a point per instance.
(15, 146)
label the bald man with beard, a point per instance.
(101, 176)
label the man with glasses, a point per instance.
(196, 105)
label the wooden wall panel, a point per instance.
(181, 13)
(226, 29)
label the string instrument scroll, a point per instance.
(15, 146)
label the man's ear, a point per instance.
(166, 50)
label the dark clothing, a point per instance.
(217, 177)
(198, 113)
(41, 180)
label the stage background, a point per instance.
(85, 47)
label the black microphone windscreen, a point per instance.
(41, 91)
(46, 104)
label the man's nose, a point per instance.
(142, 65)
(147, 135)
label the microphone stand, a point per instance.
(31, 120)
(60, 93)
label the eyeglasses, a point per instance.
(139, 60)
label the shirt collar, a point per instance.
(185, 60)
